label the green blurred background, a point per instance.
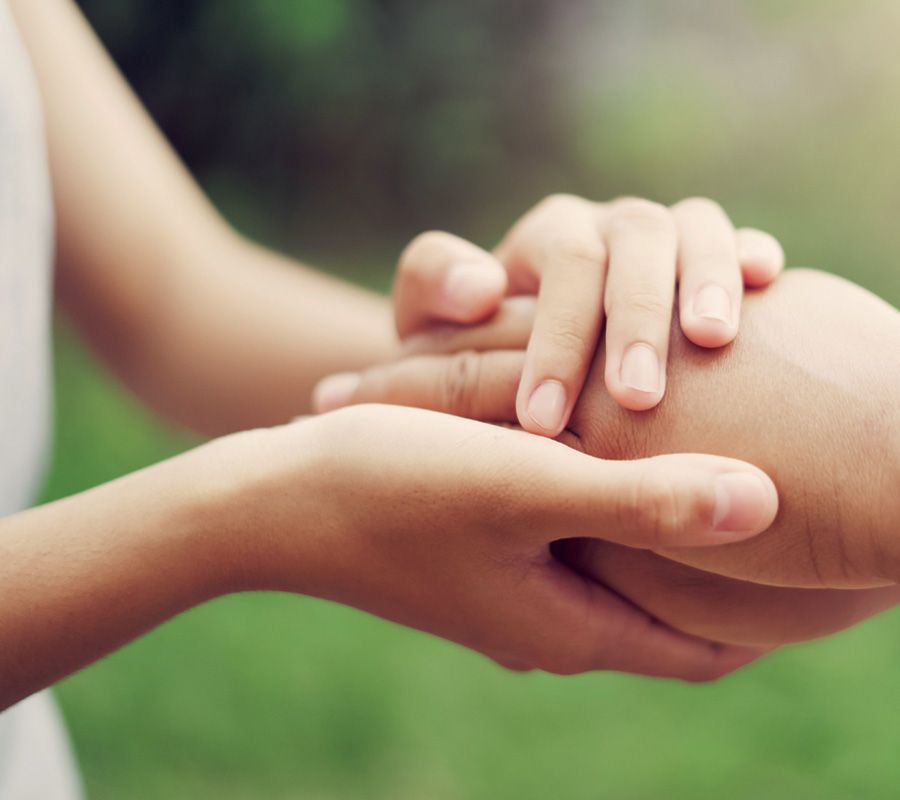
(336, 130)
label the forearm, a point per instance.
(240, 338)
(807, 394)
(82, 576)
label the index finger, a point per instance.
(562, 245)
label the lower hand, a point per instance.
(445, 525)
(723, 609)
(831, 446)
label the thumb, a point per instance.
(443, 278)
(666, 501)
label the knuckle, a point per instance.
(459, 383)
(646, 216)
(700, 206)
(565, 333)
(715, 257)
(698, 509)
(642, 302)
(660, 510)
(651, 507)
(714, 261)
(581, 252)
(559, 202)
(672, 508)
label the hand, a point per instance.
(444, 524)
(806, 394)
(586, 262)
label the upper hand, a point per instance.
(588, 263)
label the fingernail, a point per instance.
(467, 285)
(335, 391)
(547, 405)
(640, 368)
(713, 302)
(741, 503)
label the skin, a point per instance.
(587, 263)
(805, 392)
(833, 449)
(304, 508)
(220, 334)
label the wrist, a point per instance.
(256, 515)
(187, 519)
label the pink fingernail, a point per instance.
(335, 391)
(640, 368)
(713, 302)
(547, 405)
(741, 503)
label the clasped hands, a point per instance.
(477, 343)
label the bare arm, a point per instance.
(211, 330)
(82, 576)
(306, 508)
(810, 393)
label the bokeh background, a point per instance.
(336, 130)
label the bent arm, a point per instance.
(810, 392)
(213, 331)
